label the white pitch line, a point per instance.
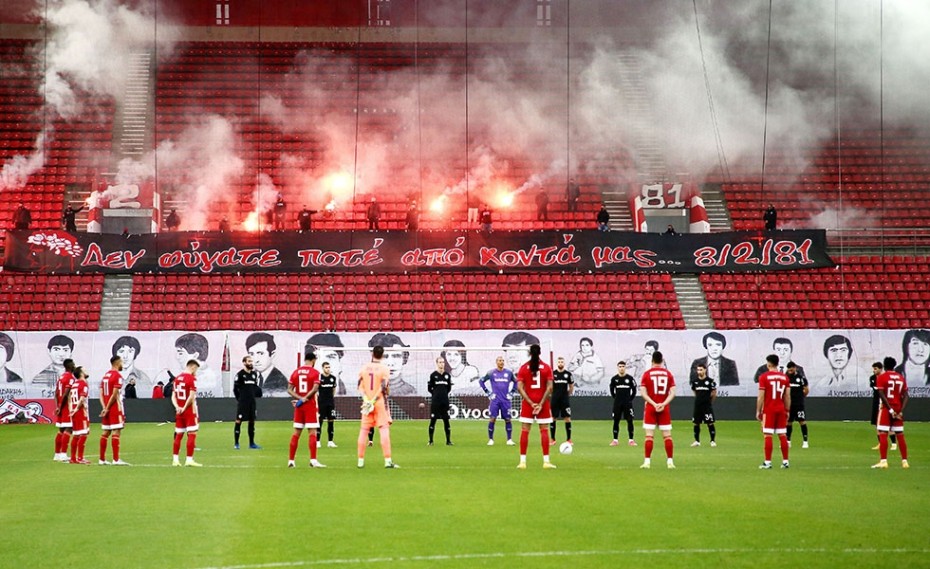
(531, 554)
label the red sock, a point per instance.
(74, 448)
(58, 443)
(115, 443)
(544, 437)
(191, 444)
(783, 441)
(81, 446)
(295, 438)
(524, 442)
(312, 444)
(902, 446)
(65, 441)
(177, 443)
(883, 445)
(769, 445)
(649, 444)
(669, 447)
(103, 448)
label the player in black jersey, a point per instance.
(326, 403)
(705, 392)
(440, 382)
(799, 390)
(246, 390)
(623, 390)
(562, 389)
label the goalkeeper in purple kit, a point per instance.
(503, 387)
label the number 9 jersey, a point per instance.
(535, 385)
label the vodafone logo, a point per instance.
(463, 412)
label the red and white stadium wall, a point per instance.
(591, 355)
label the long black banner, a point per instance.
(52, 251)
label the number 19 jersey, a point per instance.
(657, 383)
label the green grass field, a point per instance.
(467, 505)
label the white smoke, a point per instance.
(825, 69)
(833, 218)
(86, 56)
(201, 164)
(16, 172)
(85, 62)
(526, 114)
(264, 194)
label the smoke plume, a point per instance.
(84, 64)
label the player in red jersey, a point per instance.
(112, 418)
(62, 414)
(772, 406)
(80, 419)
(657, 388)
(891, 387)
(534, 382)
(186, 420)
(303, 386)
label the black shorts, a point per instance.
(245, 411)
(796, 414)
(439, 412)
(623, 412)
(703, 414)
(327, 412)
(561, 409)
(875, 401)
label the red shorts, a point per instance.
(885, 423)
(653, 418)
(113, 419)
(543, 417)
(306, 416)
(80, 423)
(775, 422)
(187, 422)
(63, 420)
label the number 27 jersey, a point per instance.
(657, 383)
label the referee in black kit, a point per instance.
(246, 390)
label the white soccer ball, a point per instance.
(565, 448)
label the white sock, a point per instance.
(522, 458)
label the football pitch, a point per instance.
(467, 505)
